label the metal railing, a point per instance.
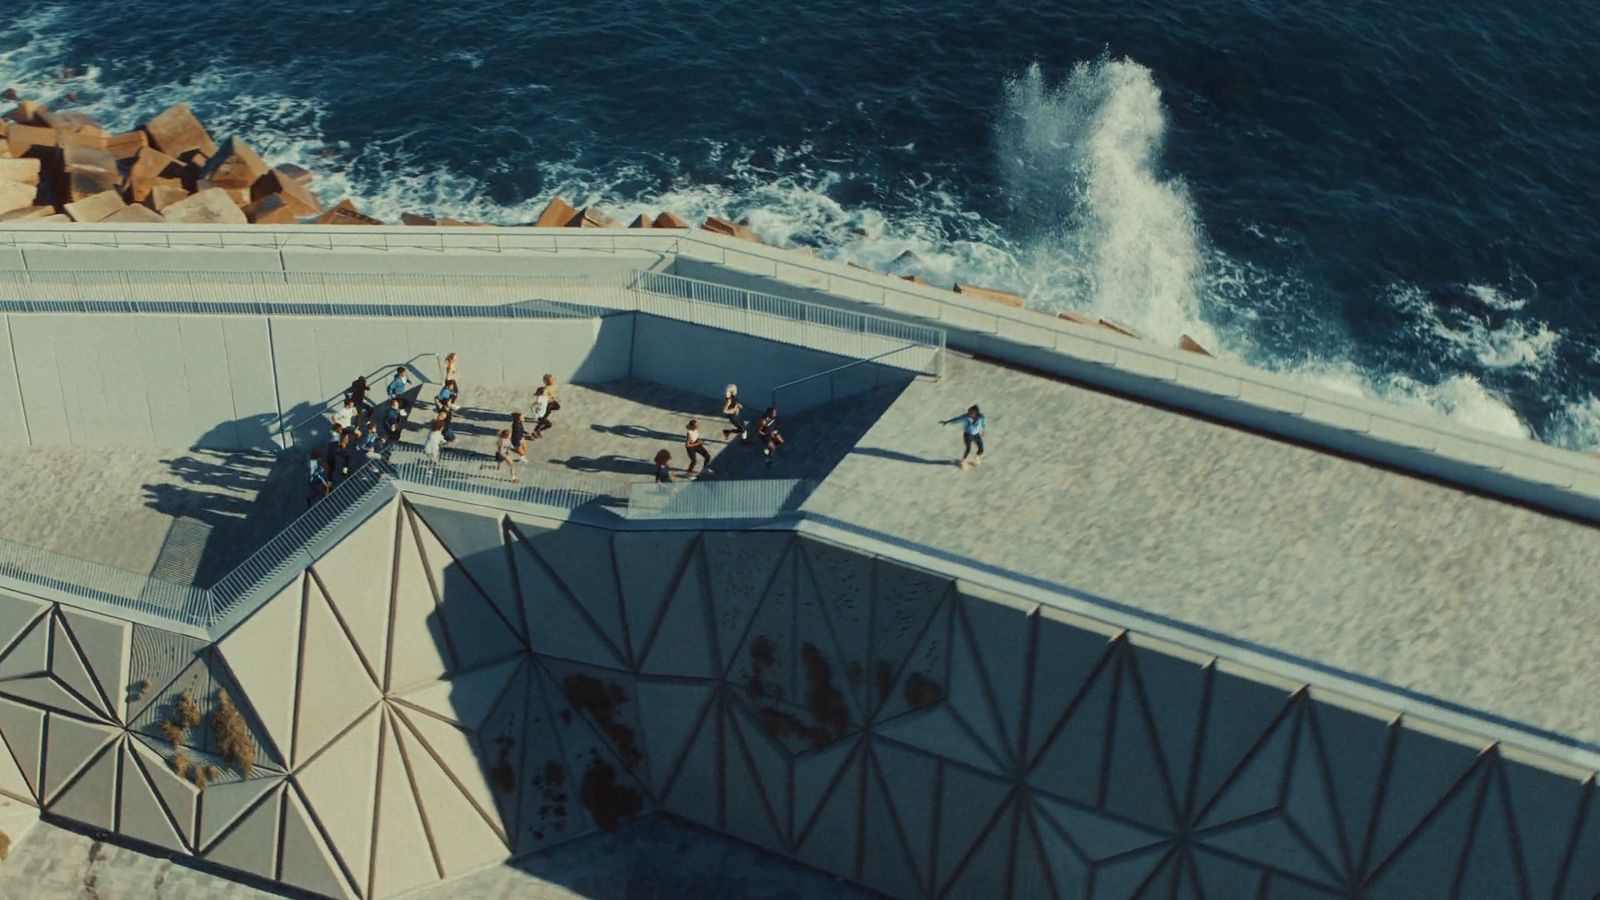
(859, 335)
(48, 570)
(465, 472)
(296, 547)
(747, 499)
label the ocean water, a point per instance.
(1386, 199)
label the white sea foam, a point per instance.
(1093, 225)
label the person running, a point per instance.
(663, 466)
(502, 455)
(345, 416)
(731, 407)
(450, 367)
(767, 431)
(696, 448)
(357, 391)
(541, 412)
(391, 420)
(434, 445)
(399, 386)
(318, 484)
(446, 417)
(550, 394)
(519, 436)
(447, 394)
(972, 428)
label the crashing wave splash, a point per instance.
(1091, 225)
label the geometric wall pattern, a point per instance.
(446, 689)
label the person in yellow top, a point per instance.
(544, 403)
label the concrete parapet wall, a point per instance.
(450, 686)
(1522, 470)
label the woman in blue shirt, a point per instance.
(972, 426)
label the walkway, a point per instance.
(1461, 597)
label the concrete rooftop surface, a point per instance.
(1461, 597)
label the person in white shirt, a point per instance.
(502, 455)
(434, 444)
(345, 416)
(696, 448)
(541, 412)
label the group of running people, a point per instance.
(767, 435)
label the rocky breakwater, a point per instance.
(64, 166)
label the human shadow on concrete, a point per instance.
(638, 431)
(611, 463)
(897, 456)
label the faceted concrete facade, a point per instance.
(449, 687)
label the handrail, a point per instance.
(290, 430)
(837, 369)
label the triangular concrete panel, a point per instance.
(199, 680)
(1438, 844)
(1257, 785)
(443, 745)
(520, 739)
(91, 798)
(908, 780)
(251, 845)
(357, 575)
(1356, 769)
(924, 680)
(221, 805)
(1223, 877)
(12, 781)
(29, 654)
(157, 657)
(1096, 836)
(606, 698)
(828, 683)
(1544, 811)
(263, 652)
(842, 580)
(669, 713)
(1173, 688)
(1130, 876)
(466, 698)
(45, 690)
(460, 835)
(419, 646)
(608, 791)
(304, 860)
(1582, 878)
(335, 687)
(477, 545)
(479, 633)
(695, 790)
(23, 730)
(756, 781)
(69, 745)
(104, 643)
(681, 642)
(903, 599)
(1493, 865)
(402, 858)
(738, 567)
(1072, 760)
(340, 788)
(940, 732)
(178, 795)
(648, 565)
(1308, 803)
(1137, 784)
(970, 697)
(16, 614)
(1422, 770)
(987, 866)
(885, 860)
(831, 838)
(1069, 871)
(143, 816)
(1238, 714)
(765, 666)
(582, 562)
(1000, 625)
(969, 804)
(556, 626)
(69, 669)
(1031, 876)
(1066, 653)
(1274, 843)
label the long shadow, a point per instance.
(611, 462)
(637, 431)
(897, 456)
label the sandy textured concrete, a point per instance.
(654, 857)
(118, 507)
(1461, 597)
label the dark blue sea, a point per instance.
(1394, 199)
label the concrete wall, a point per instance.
(447, 688)
(233, 382)
(704, 360)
